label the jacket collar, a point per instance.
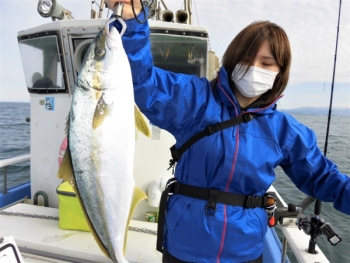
(225, 95)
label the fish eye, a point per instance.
(99, 52)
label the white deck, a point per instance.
(44, 235)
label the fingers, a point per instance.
(127, 10)
(111, 3)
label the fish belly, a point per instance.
(103, 163)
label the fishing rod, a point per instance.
(315, 223)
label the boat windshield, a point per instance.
(41, 64)
(180, 54)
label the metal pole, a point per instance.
(284, 250)
(189, 10)
(93, 12)
(101, 8)
(165, 7)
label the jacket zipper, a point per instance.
(223, 234)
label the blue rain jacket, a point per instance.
(239, 160)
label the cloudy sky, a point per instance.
(311, 26)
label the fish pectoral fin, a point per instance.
(140, 122)
(101, 112)
(138, 196)
(65, 172)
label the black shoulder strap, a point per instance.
(177, 153)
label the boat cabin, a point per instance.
(52, 55)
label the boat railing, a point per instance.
(7, 162)
(292, 236)
(295, 239)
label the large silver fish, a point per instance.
(101, 139)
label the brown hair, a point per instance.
(246, 45)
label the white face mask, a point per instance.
(255, 82)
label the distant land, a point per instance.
(318, 111)
(336, 111)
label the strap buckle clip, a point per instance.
(173, 186)
(210, 207)
(210, 130)
(247, 117)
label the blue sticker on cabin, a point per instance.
(50, 103)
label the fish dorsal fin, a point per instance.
(66, 129)
(140, 122)
(65, 172)
(138, 195)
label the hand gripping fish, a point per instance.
(101, 137)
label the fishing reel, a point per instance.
(314, 225)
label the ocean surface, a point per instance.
(15, 136)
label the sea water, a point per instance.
(15, 137)
(14, 141)
(338, 150)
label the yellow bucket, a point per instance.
(71, 216)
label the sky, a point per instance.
(310, 25)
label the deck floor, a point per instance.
(44, 236)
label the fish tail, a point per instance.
(138, 196)
(140, 122)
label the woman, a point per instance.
(238, 160)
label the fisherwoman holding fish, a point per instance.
(232, 162)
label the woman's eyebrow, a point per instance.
(268, 57)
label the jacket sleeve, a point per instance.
(172, 101)
(312, 172)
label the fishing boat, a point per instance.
(52, 54)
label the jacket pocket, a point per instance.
(262, 217)
(177, 206)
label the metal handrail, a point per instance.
(7, 162)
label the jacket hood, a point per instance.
(225, 94)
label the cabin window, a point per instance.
(42, 64)
(180, 54)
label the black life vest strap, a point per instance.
(176, 153)
(212, 196)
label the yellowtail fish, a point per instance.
(101, 139)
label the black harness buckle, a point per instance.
(172, 186)
(247, 117)
(210, 207)
(209, 130)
